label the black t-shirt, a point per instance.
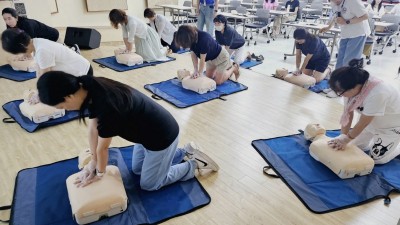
(206, 45)
(293, 4)
(36, 29)
(314, 46)
(230, 38)
(145, 122)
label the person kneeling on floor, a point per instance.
(116, 109)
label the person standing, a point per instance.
(352, 17)
(207, 10)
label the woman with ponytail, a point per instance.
(48, 55)
(378, 103)
(116, 109)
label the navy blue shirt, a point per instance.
(206, 45)
(230, 38)
(313, 45)
(144, 121)
(292, 4)
(208, 2)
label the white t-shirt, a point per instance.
(350, 9)
(375, 10)
(59, 57)
(164, 28)
(134, 27)
(396, 10)
(383, 102)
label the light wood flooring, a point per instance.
(240, 193)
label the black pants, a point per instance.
(90, 71)
(171, 46)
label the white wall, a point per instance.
(74, 13)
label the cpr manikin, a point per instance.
(104, 198)
(37, 111)
(347, 163)
(127, 58)
(301, 80)
(201, 84)
(22, 63)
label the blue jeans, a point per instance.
(156, 167)
(350, 48)
(206, 16)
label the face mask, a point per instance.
(219, 28)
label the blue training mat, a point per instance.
(318, 87)
(317, 187)
(173, 92)
(181, 51)
(41, 197)
(12, 109)
(6, 71)
(248, 64)
(112, 63)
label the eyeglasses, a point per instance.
(341, 93)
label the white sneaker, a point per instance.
(332, 94)
(203, 161)
(327, 90)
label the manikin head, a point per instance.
(183, 73)
(312, 130)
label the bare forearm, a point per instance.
(128, 45)
(358, 19)
(102, 158)
(93, 137)
(360, 126)
(195, 62)
(345, 129)
(305, 62)
(201, 66)
(298, 59)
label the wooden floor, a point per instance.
(240, 193)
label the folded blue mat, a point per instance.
(12, 109)
(6, 71)
(173, 92)
(41, 197)
(318, 87)
(248, 64)
(317, 187)
(112, 63)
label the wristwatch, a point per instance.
(347, 21)
(215, 10)
(99, 174)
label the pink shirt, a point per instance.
(269, 5)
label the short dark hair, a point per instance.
(11, 11)
(348, 77)
(186, 36)
(15, 41)
(117, 16)
(221, 19)
(149, 13)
